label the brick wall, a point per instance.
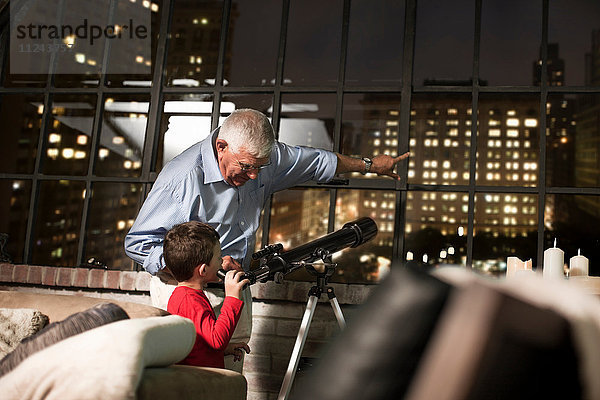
(87, 278)
(277, 313)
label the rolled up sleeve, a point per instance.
(144, 241)
(298, 164)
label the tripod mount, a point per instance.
(314, 294)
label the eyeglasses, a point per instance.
(248, 167)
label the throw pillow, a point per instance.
(96, 316)
(104, 363)
(16, 324)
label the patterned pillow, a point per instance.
(16, 324)
(96, 316)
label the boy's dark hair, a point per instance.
(188, 245)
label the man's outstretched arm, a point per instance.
(382, 164)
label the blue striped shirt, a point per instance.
(191, 187)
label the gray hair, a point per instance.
(249, 130)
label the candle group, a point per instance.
(554, 264)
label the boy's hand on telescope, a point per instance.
(233, 284)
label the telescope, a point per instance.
(275, 263)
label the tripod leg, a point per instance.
(336, 308)
(288, 379)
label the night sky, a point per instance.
(511, 35)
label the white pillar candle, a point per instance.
(554, 261)
(579, 265)
(513, 264)
(515, 267)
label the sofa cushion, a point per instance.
(94, 317)
(58, 307)
(16, 325)
(102, 363)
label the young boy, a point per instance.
(193, 255)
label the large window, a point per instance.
(497, 101)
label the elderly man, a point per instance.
(224, 181)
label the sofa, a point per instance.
(132, 357)
(450, 333)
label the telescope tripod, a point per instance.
(314, 294)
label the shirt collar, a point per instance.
(210, 166)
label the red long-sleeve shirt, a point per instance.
(212, 334)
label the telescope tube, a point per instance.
(352, 234)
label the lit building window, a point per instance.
(531, 122)
(68, 153)
(512, 122)
(52, 153)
